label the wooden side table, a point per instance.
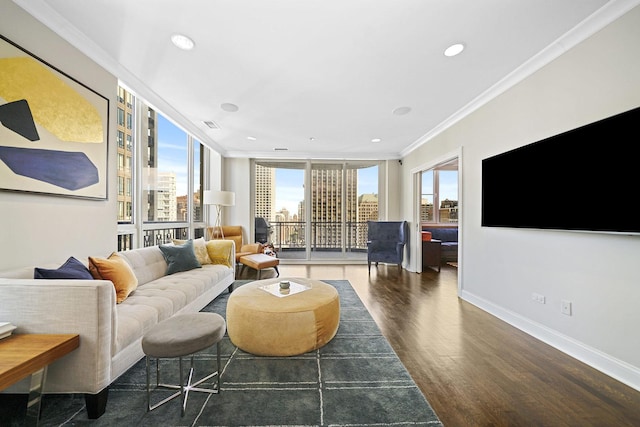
(431, 254)
(22, 355)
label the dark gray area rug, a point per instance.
(354, 380)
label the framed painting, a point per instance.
(53, 129)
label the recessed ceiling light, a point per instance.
(229, 107)
(252, 138)
(182, 42)
(376, 140)
(454, 49)
(401, 111)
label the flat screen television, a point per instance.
(585, 179)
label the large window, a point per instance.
(165, 170)
(440, 188)
(316, 210)
(163, 200)
(279, 204)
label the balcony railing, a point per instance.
(325, 235)
(157, 236)
(287, 237)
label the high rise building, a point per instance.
(166, 207)
(449, 211)
(183, 206)
(124, 137)
(327, 209)
(265, 192)
(426, 210)
(150, 163)
(367, 211)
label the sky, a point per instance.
(172, 153)
(448, 184)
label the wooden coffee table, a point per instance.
(22, 355)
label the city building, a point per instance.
(265, 181)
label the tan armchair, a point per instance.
(234, 232)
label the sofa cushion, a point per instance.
(71, 269)
(199, 248)
(148, 263)
(180, 257)
(117, 270)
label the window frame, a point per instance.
(308, 167)
(449, 166)
(138, 232)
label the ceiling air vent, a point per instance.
(280, 149)
(211, 124)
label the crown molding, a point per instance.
(589, 26)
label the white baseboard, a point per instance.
(617, 369)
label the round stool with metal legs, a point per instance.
(181, 336)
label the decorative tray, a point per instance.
(294, 288)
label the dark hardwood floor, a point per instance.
(474, 369)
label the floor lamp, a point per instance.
(218, 199)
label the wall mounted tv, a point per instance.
(585, 179)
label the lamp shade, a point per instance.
(220, 198)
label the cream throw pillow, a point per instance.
(199, 249)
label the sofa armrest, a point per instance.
(84, 307)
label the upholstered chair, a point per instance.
(235, 233)
(386, 241)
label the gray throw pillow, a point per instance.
(180, 257)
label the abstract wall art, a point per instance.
(53, 129)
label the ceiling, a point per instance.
(321, 78)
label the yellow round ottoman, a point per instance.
(264, 324)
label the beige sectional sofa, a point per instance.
(110, 333)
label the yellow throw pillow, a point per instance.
(220, 251)
(199, 249)
(116, 269)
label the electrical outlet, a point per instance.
(538, 298)
(565, 307)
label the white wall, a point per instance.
(391, 200)
(47, 229)
(502, 267)
(237, 178)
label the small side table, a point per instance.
(431, 254)
(22, 355)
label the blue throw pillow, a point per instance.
(180, 257)
(71, 269)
